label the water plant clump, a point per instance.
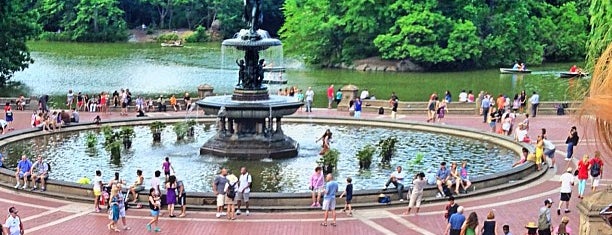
(387, 148)
(91, 139)
(329, 161)
(156, 129)
(365, 155)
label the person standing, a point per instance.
(338, 96)
(567, 181)
(329, 199)
(8, 114)
(330, 96)
(122, 199)
(155, 182)
(244, 190)
(113, 213)
(309, 99)
(535, 102)
(596, 170)
(167, 166)
(397, 179)
(544, 225)
(571, 141)
(348, 192)
(13, 223)
(549, 151)
(455, 222)
(490, 226)
(154, 205)
(418, 183)
(229, 187)
(357, 108)
(485, 105)
(69, 99)
(451, 208)
(219, 190)
(539, 152)
(563, 229)
(470, 226)
(316, 186)
(394, 104)
(97, 189)
(583, 175)
(171, 194)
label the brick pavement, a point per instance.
(515, 207)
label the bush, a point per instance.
(364, 155)
(169, 37)
(387, 149)
(200, 35)
(53, 36)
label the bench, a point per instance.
(13, 102)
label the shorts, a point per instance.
(229, 201)
(154, 212)
(182, 200)
(415, 199)
(455, 232)
(596, 180)
(329, 204)
(138, 188)
(242, 197)
(80, 103)
(167, 173)
(97, 192)
(492, 124)
(348, 200)
(123, 105)
(122, 212)
(318, 190)
(565, 197)
(330, 99)
(23, 174)
(550, 153)
(220, 200)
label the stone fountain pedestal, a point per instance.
(591, 222)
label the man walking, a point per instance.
(219, 190)
(309, 99)
(544, 225)
(455, 222)
(485, 105)
(567, 181)
(244, 189)
(330, 96)
(397, 179)
(329, 199)
(182, 197)
(535, 101)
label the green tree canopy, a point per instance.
(98, 20)
(17, 25)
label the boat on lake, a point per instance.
(511, 71)
(572, 74)
(275, 75)
(175, 44)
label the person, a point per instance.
(506, 229)
(418, 183)
(219, 190)
(567, 181)
(394, 104)
(182, 197)
(455, 222)
(69, 99)
(187, 100)
(4, 126)
(563, 229)
(470, 97)
(485, 105)
(526, 122)
(583, 175)
(137, 186)
(442, 109)
(244, 190)
(39, 172)
(397, 179)
(464, 178)
(316, 186)
(535, 102)
(523, 158)
(231, 183)
(325, 141)
(97, 120)
(596, 170)
(455, 178)
(161, 104)
(167, 166)
(329, 199)
(309, 99)
(490, 226)
(448, 96)
(544, 225)
(516, 66)
(571, 141)
(121, 200)
(431, 107)
(521, 134)
(171, 194)
(549, 151)
(539, 152)
(75, 117)
(154, 205)
(113, 213)
(97, 189)
(13, 223)
(174, 104)
(357, 108)
(338, 97)
(20, 102)
(300, 98)
(470, 226)
(330, 96)
(8, 115)
(23, 171)
(365, 94)
(348, 192)
(451, 208)
(442, 178)
(463, 97)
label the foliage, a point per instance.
(200, 35)
(55, 36)
(115, 148)
(181, 130)
(127, 132)
(330, 158)
(91, 139)
(364, 155)
(191, 122)
(387, 149)
(157, 126)
(97, 21)
(109, 134)
(168, 37)
(17, 25)
(601, 29)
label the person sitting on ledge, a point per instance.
(141, 113)
(161, 105)
(97, 120)
(397, 179)
(75, 116)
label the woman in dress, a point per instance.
(171, 194)
(490, 226)
(416, 196)
(113, 213)
(583, 175)
(154, 205)
(523, 100)
(539, 152)
(316, 186)
(103, 99)
(441, 110)
(470, 226)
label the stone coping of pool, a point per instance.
(296, 201)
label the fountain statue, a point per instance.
(250, 118)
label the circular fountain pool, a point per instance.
(71, 159)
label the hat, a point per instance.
(548, 201)
(531, 225)
(569, 169)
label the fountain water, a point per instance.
(249, 123)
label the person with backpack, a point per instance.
(596, 170)
(544, 225)
(451, 208)
(230, 194)
(583, 175)
(571, 141)
(219, 190)
(244, 189)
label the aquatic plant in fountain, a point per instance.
(156, 128)
(329, 161)
(387, 148)
(365, 155)
(91, 139)
(127, 133)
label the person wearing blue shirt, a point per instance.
(329, 199)
(485, 105)
(357, 107)
(456, 221)
(23, 171)
(443, 177)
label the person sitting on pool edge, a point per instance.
(397, 179)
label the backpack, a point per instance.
(48, 167)
(595, 169)
(543, 221)
(231, 190)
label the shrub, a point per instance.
(169, 37)
(364, 155)
(387, 149)
(53, 36)
(200, 35)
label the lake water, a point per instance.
(71, 159)
(150, 69)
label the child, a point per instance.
(97, 120)
(154, 205)
(97, 189)
(348, 191)
(167, 166)
(506, 229)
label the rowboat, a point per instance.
(510, 71)
(274, 69)
(274, 81)
(171, 45)
(572, 74)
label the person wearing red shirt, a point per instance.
(573, 69)
(596, 170)
(583, 175)
(330, 96)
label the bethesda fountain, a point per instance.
(249, 124)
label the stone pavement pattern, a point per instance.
(515, 206)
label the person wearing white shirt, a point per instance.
(549, 151)
(535, 101)
(463, 97)
(567, 181)
(365, 94)
(397, 179)
(244, 190)
(155, 182)
(13, 223)
(309, 99)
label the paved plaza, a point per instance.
(514, 206)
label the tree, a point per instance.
(165, 9)
(601, 29)
(98, 21)
(17, 25)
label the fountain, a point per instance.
(249, 124)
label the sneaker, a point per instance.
(17, 186)
(149, 227)
(385, 188)
(247, 212)
(218, 215)
(567, 211)
(313, 205)
(24, 187)
(157, 230)
(439, 195)
(223, 213)
(401, 200)
(43, 189)
(318, 205)
(238, 212)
